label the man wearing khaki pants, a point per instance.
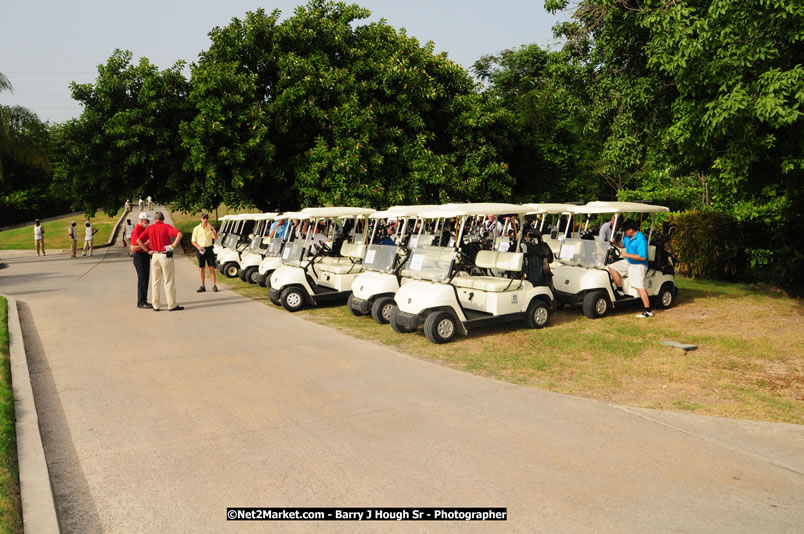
(155, 240)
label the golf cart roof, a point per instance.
(478, 208)
(264, 216)
(292, 215)
(337, 212)
(245, 216)
(618, 207)
(551, 208)
(403, 211)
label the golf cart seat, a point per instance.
(500, 261)
(354, 250)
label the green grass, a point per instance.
(56, 233)
(10, 504)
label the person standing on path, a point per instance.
(128, 205)
(142, 262)
(139, 203)
(39, 237)
(156, 241)
(73, 235)
(89, 238)
(127, 233)
(150, 203)
(203, 236)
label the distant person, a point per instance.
(128, 205)
(142, 262)
(139, 202)
(156, 240)
(607, 231)
(203, 236)
(73, 235)
(89, 238)
(634, 264)
(39, 237)
(127, 234)
(150, 203)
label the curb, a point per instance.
(38, 506)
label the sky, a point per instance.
(46, 44)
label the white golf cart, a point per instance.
(321, 263)
(583, 277)
(257, 247)
(449, 299)
(227, 223)
(272, 259)
(554, 222)
(373, 290)
(238, 236)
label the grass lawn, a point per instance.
(56, 233)
(10, 504)
(749, 362)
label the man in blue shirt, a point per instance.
(635, 265)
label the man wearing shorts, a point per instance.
(203, 236)
(635, 265)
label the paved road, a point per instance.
(156, 422)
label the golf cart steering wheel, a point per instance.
(614, 254)
(323, 249)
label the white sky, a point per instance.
(46, 44)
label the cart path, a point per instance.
(158, 422)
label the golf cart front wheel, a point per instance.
(595, 304)
(356, 312)
(666, 297)
(382, 308)
(292, 299)
(251, 275)
(538, 314)
(230, 269)
(397, 325)
(440, 327)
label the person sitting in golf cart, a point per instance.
(634, 264)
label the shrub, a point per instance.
(707, 244)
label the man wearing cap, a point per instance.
(142, 261)
(203, 236)
(156, 241)
(73, 239)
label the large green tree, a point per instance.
(548, 154)
(126, 141)
(322, 108)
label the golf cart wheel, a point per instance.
(396, 325)
(382, 308)
(261, 279)
(665, 298)
(292, 299)
(275, 302)
(538, 314)
(251, 275)
(242, 275)
(595, 304)
(230, 269)
(355, 311)
(440, 327)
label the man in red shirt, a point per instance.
(156, 241)
(142, 262)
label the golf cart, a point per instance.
(554, 222)
(257, 247)
(373, 290)
(583, 277)
(272, 259)
(321, 263)
(452, 291)
(236, 242)
(227, 223)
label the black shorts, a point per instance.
(207, 257)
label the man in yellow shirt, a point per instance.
(203, 236)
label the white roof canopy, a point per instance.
(336, 212)
(618, 207)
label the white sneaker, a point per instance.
(644, 314)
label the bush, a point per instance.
(707, 244)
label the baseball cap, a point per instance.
(144, 215)
(205, 215)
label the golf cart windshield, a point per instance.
(583, 252)
(293, 252)
(432, 263)
(275, 246)
(381, 258)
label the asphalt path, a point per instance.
(157, 422)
